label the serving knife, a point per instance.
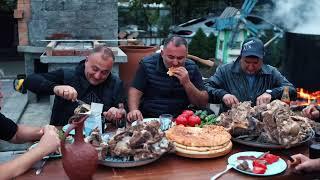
(80, 102)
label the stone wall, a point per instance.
(22, 14)
(58, 19)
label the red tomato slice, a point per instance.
(270, 158)
(259, 170)
(259, 163)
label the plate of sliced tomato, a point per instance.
(258, 163)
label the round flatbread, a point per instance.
(201, 149)
(207, 154)
(207, 136)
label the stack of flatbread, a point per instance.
(207, 142)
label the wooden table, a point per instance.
(171, 166)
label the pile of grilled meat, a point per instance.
(143, 141)
(271, 123)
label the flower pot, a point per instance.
(128, 70)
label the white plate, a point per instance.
(153, 119)
(146, 120)
(272, 169)
(51, 155)
(72, 132)
(117, 163)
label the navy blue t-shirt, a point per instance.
(163, 94)
(140, 81)
(7, 128)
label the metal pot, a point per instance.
(302, 63)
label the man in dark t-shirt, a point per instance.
(154, 92)
(8, 128)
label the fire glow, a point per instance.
(306, 98)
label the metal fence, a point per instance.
(151, 40)
(155, 40)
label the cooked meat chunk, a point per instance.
(143, 141)
(272, 123)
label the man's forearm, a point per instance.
(214, 86)
(43, 83)
(21, 164)
(196, 97)
(134, 97)
(27, 134)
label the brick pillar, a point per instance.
(23, 14)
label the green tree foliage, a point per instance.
(142, 15)
(180, 12)
(149, 17)
(184, 10)
(202, 46)
(211, 48)
(199, 44)
(275, 52)
(164, 25)
(7, 5)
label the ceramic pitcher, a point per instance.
(79, 159)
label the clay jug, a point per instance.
(79, 159)
(128, 70)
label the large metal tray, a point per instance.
(254, 143)
(123, 164)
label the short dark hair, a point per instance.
(106, 52)
(177, 40)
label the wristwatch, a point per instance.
(269, 91)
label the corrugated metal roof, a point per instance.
(229, 12)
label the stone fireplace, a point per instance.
(40, 20)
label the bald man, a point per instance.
(90, 81)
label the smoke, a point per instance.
(300, 16)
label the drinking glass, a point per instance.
(165, 121)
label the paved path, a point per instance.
(10, 69)
(15, 107)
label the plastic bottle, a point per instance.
(285, 95)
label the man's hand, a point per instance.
(114, 114)
(229, 100)
(50, 141)
(311, 112)
(264, 98)
(306, 164)
(134, 115)
(66, 92)
(182, 74)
